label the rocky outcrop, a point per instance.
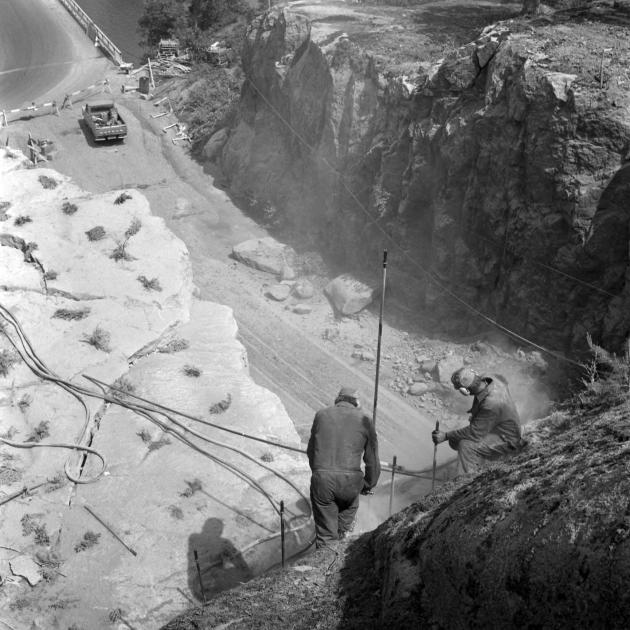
(102, 289)
(497, 172)
(542, 543)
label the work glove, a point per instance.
(366, 489)
(438, 436)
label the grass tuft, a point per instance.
(120, 252)
(174, 345)
(192, 371)
(31, 525)
(71, 314)
(123, 383)
(222, 405)
(25, 402)
(134, 228)
(158, 444)
(266, 457)
(89, 539)
(99, 338)
(145, 436)
(48, 182)
(69, 208)
(96, 233)
(8, 359)
(41, 431)
(22, 219)
(193, 486)
(122, 198)
(150, 285)
(176, 512)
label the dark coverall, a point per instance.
(340, 435)
(494, 430)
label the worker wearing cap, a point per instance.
(340, 436)
(494, 430)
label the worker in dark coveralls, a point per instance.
(495, 428)
(340, 436)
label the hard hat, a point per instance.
(348, 392)
(464, 377)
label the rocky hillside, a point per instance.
(494, 171)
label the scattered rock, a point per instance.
(445, 367)
(265, 254)
(364, 355)
(348, 294)
(279, 292)
(26, 567)
(417, 389)
(287, 273)
(302, 309)
(215, 144)
(304, 289)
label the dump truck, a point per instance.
(104, 120)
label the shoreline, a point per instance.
(45, 54)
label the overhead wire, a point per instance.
(431, 276)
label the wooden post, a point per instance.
(151, 73)
(391, 488)
(282, 531)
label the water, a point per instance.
(119, 20)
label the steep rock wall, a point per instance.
(498, 172)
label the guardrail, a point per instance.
(93, 31)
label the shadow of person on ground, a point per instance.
(220, 563)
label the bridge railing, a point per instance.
(93, 31)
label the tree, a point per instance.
(161, 18)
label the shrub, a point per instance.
(89, 540)
(69, 208)
(174, 345)
(158, 444)
(191, 370)
(21, 220)
(71, 314)
(145, 436)
(96, 233)
(50, 275)
(176, 512)
(8, 359)
(30, 525)
(25, 402)
(266, 457)
(120, 253)
(222, 405)
(48, 182)
(99, 338)
(150, 285)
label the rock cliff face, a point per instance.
(498, 171)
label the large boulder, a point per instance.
(348, 295)
(265, 254)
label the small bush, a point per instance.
(8, 358)
(150, 285)
(71, 314)
(115, 615)
(122, 198)
(174, 345)
(266, 457)
(222, 405)
(69, 208)
(48, 182)
(56, 482)
(4, 205)
(99, 339)
(31, 525)
(50, 275)
(193, 486)
(134, 228)
(96, 233)
(21, 220)
(41, 431)
(145, 436)
(89, 540)
(192, 371)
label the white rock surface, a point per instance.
(348, 294)
(265, 254)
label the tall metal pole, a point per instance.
(380, 335)
(391, 488)
(437, 428)
(282, 531)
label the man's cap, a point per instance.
(464, 377)
(348, 392)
